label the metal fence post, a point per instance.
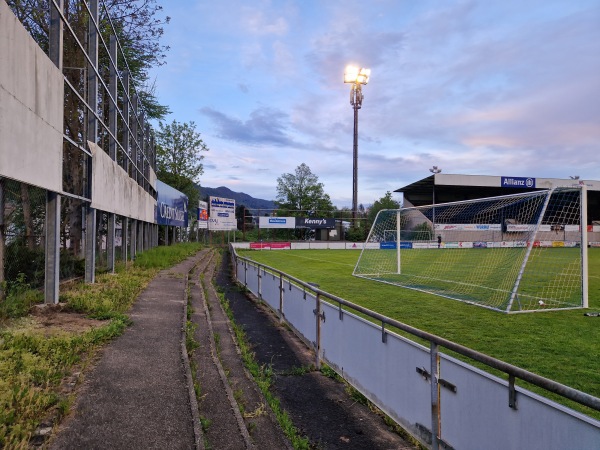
(259, 283)
(318, 334)
(280, 298)
(435, 396)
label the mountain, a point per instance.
(239, 197)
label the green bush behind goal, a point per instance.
(514, 253)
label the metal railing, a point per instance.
(256, 277)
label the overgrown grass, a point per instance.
(560, 345)
(33, 364)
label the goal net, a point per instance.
(514, 253)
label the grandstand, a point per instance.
(445, 188)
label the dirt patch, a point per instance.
(57, 319)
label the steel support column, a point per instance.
(52, 250)
(92, 136)
(52, 223)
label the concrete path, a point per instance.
(145, 393)
(138, 396)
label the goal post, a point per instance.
(513, 253)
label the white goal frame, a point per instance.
(512, 253)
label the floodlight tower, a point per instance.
(356, 77)
(434, 170)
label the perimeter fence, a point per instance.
(442, 401)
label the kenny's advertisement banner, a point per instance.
(303, 222)
(171, 206)
(277, 222)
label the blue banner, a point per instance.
(171, 206)
(389, 245)
(517, 182)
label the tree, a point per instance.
(137, 25)
(301, 193)
(178, 158)
(385, 202)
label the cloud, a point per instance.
(265, 126)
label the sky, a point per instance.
(477, 87)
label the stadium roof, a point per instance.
(454, 187)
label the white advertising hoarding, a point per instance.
(222, 224)
(222, 214)
(277, 222)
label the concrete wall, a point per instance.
(31, 108)
(113, 191)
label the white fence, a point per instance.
(466, 408)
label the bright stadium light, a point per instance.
(356, 77)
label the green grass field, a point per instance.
(560, 345)
(483, 276)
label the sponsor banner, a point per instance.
(465, 245)
(306, 222)
(202, 214)
(224, 209)
(467, 226)
(420, 245)
(451, 245)
(593, 228)
(480, 245)
(517, 182)
(594, 244)
(392, 245)
(475, 227)
(447, 227)
(271, 245)
(526, 227)
(171, 206)
(222, 224)
(572, 244)
(571, 227)
(277, 222)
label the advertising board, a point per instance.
(277, 222)
(315, 223)
(171, 206)
(202, 214)
(222, 214)
(517, 182)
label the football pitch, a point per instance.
(560, 345)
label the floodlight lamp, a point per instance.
(574, 177)
(435, 170)
(354, 75)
